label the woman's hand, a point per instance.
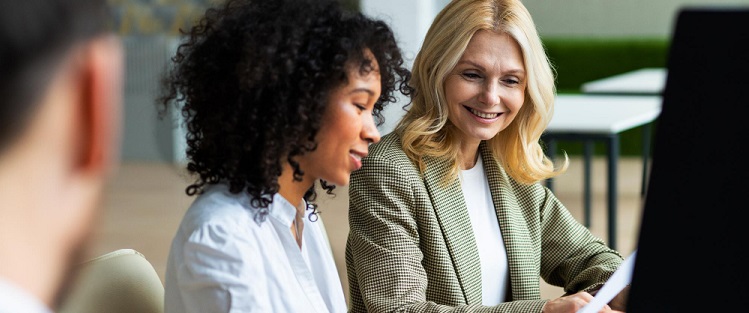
(620, 300)
(572, 303)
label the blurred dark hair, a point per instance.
(253, 79)
(34, 36)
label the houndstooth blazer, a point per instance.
(411, 248)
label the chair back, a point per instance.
(121, 281)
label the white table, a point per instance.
(599, 118)
(596, 114)
(645, 81)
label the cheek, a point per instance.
(326, 139)
(339, 131)
(344, 125)
(514, 105)
(456, 94)
(515, 101)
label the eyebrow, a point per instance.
(361, 89)
(513, 71)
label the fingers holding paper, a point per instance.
(619, 302)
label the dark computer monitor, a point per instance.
(694, 237)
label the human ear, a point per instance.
(101, 104)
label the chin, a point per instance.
(340, 180)
(486, 135)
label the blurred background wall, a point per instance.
(150, 30)
(151, 27)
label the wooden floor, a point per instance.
(145, 202)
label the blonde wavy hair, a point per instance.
(425, 129)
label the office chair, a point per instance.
(121, 281)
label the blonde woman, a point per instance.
(447, 213)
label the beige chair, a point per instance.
(122, 281)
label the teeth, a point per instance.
(356, 156)
(483, 115)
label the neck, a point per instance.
(30, 256)
(468, 154)
(38, 273)
(293, 190)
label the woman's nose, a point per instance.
(369, 130)
(490, 93)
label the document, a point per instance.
(621, 278)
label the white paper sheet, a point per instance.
(613, 286)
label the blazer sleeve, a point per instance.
(383, 254)
(572, 257)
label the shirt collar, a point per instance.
(282, 210)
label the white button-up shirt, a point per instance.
(222, 260)
(16, 300)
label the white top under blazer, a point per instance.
(495, 274)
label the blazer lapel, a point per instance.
(515, 233)
(452, 216)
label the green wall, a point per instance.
(579, 60)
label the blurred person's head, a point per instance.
(471, 29)
(60, 93)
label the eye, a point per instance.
(360, 107)
(470, 75)
(512, 81)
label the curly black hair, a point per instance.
(252, 81)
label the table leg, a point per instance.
(588, 155)
(552, 145)
(646, 135)
(613, 158)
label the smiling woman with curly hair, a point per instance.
(275, 95)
